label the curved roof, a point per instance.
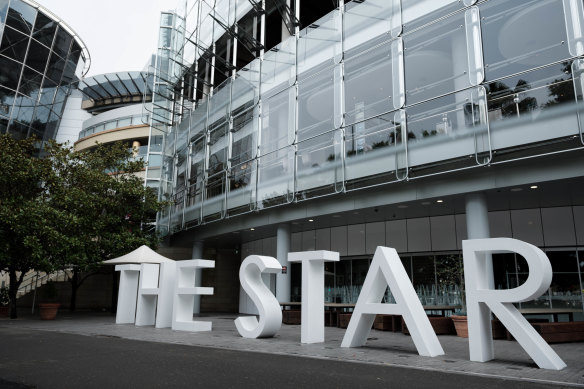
(116, 85)
(67, 28)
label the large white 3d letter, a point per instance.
(387, 269)
(129, 276)
(481, 300)
(270, 314)
(184, 296)
(155, 295)
(312, 327)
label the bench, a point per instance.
(441, 325)
(561, 332)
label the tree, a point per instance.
(73, 209)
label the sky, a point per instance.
(120, 34)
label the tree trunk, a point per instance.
(12, 291)
(74, 288)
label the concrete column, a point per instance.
(477, 225)
(197, 254)
(283, 248)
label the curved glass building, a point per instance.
(302, 125)
(40, 60)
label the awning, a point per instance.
(143, 254)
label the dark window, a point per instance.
(30, 84)
(3, 125)
(56, 67)
(311, 11)
(62, 43)
(3, 10)
(21, 16)
(37, 56)
(10, 72)
(44, 30)
(6, 101)
(18, 130)
(14, 44)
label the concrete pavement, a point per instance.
(382, 348)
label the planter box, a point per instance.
(388, 323)
(344, 319)
(561, 332)
(4, 311)
(291, 316)
(441, 325)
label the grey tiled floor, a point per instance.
(383, 348)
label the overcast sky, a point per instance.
(120, 34)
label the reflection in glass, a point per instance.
(14, 44)
(242, 187)
(436, 60)
(245, 131)
(276, 178)
(519, 36)
(320, 44)
(44, 30)
(21, 16)
(278, 121)
(316, 105)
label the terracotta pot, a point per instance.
(4, 311)
(48, 311)
(461, 325)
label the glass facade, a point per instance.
(40, 60)
(371, 93)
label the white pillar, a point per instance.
(283, 248)
(198, 254)
(477, 226)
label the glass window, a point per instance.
(214, 206)
(6, 101)
(44, 30)
(14, 44)
(518, 36)
(10, 72)
(218, 143)
(219, 103)
(124, 122)
(424, 278)
(40, 121)
(320, 44)
(368, 84)
(368, 20)
(565, 289)
(246, 87)
(279, 67)
(37, 57)
(316, 108)
(375, 151)
(415, 16)
(199, 121)
(21, 16)
(242, 187)
(30, 83)
(25, 109)
(436, 60)
(18, 130)
(62, 43)
(276, 178)
(319, 166)
(55, 68)
(278, 117)
(245, 132)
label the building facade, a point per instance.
(41, 58)
(301, 125)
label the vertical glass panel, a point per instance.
(199, 121)
(55, 68)
(10, 72)
(245, 134)
(320, 44)
(374, 151)
(276, 178)
(518, 36)
(30, 84)
(7, 97)
(219, 103)
(316, 105)
(416, 15)
(565, 288)
(368, 20)
(448, 126)
(214, 205)
(574, 11)
(218, 147)
(62, 43)
(14, 44)
(242, 188)
(44, 29)
(37, 57)
(436, 60)
(245, 90)
(279, 67)
(474, 43)
(424, 275)
(196, 182)
(319, 166)
(368, 84)
(278, 121)
(125, 122)
(527, 100)
(21, 16)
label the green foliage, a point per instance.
(50, 292)
(70, 209)
(4, 298)
(450, 271)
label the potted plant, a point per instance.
(450, 272)
(4, 302)
(48, 310)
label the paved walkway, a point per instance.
(382, 348)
